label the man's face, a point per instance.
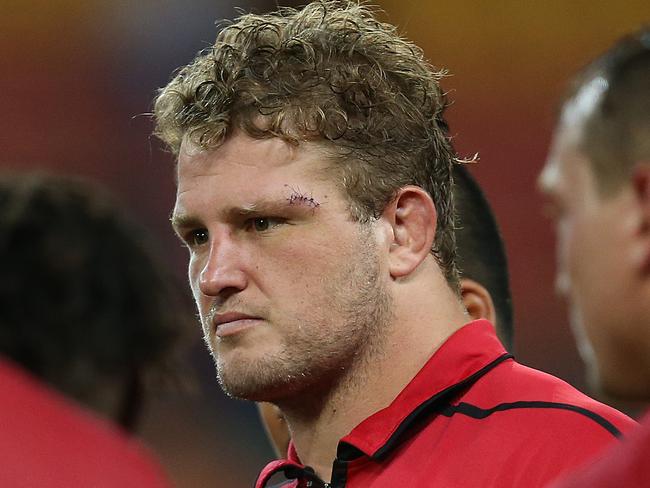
(288, 287)
(591, 233)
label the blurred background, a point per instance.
(76, 84)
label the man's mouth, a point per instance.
(230, 323)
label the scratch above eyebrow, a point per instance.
(299, 197)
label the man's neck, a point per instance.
(368, 387)
(317, 428)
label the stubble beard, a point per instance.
(330, 349)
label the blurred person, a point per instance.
(484, 282)
(314, 196)
(102, 312)
(597, 179)
(88, 310)
(481, 257)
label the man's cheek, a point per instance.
(193, 274)
(562, 252)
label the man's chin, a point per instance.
(254, 391)
(256, 382)
(615, 387)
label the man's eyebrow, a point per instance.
(182, 221)
(257, 208)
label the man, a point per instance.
(484, 283)
(597, 177)
(314, 195)
(86, 311)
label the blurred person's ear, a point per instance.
(641, 188)
(276, 428)
(477, 300)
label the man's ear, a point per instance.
(641, 188)
(412, 217)
(477, 300)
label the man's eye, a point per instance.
(197, 237)
(262, 224)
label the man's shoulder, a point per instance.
(514, 387)
(523, 427)
(49, 441)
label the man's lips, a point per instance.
(230, 323)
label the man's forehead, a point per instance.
(245, 157)
(570, 131)
(550, 176)
(566, 144)
(242, 149)
(584, 102)
(567, 168)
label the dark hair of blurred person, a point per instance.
(597, 178)
(86, 313)
(481, 254)
(84, 303)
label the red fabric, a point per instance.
(626, 465)
(48, 442)
(491, 422)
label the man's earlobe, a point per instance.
(641, 187)
(477, 300)
(412, 216)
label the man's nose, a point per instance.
(562, 282)
(223, 272)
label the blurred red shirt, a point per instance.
(48, 441)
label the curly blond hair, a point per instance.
(330, 72)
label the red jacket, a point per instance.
(472, 417)
(48, 442)
(624, 465)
